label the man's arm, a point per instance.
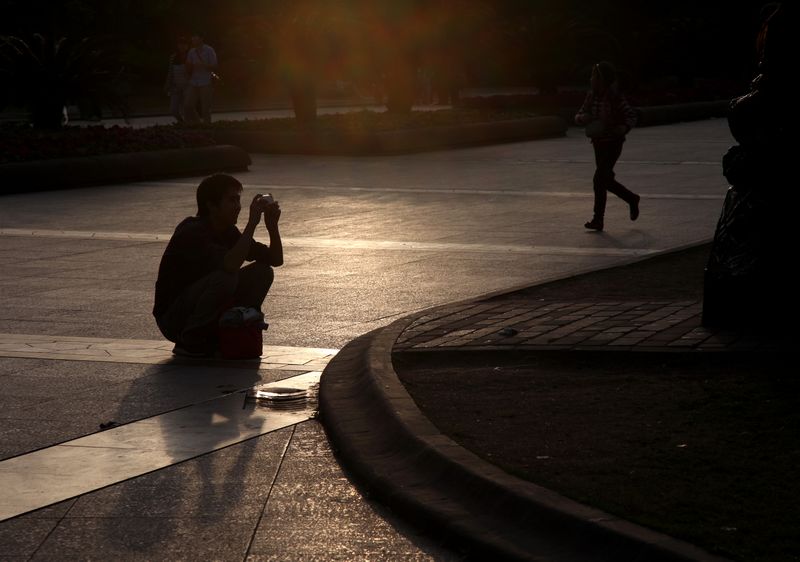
(170, 74)
(235, 257)
(272, 213)
(212, 58)
(206, 58)
(188, 64)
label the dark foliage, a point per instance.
(23, 143)
(379, 45)
(45, 74)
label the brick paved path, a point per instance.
(578, 324)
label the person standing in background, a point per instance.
(176, 82)
(201, 62)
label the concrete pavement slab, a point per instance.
(313, 504)
(224, 505)
(22, 537)
(50, 401)
(215, 485)
(132, 538)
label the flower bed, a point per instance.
(20, 143)
(370, 132)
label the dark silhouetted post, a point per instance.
(749, 280)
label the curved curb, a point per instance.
(393, 142)
(397, 454)
(63, 173)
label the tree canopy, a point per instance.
(498, 42)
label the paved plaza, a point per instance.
(367, 241)
(579, 324)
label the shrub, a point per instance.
(374, 121)
(23, 143)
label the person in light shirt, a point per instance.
(201, 62)
(176, 82)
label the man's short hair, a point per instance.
(212, 190)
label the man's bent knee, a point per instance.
(261, 274)
(221, 287)
(222, 282)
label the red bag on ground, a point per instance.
(241, 342)
(241, 333)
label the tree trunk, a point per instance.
(304, 102)
(400, 88)
(47, 114)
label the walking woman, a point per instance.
(177, 78)
(608, 118)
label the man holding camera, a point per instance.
(201, 270)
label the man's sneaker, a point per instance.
(186, 352)
(635, 208)
(594, 224)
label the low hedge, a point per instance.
(64, 173)
(665, 114)
(355, 141)
(359, 132)
(33, 160)
(366, 122)
(21, 143)
(566, 105)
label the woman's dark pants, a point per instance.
(606, 154)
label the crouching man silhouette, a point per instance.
(201, 270)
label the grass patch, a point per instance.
(701, 446)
